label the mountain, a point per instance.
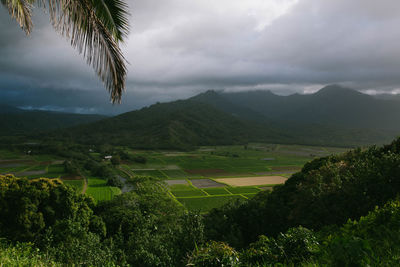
(333, 116)
(17, 121)
(7, 109)
(181, 124)
(332, 106)
(388, 97)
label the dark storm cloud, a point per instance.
(178, 48)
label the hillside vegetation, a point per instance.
(17, 121)
(334, 116)
(179, 125)
(338, 210)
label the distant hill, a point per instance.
(331, 106)
(341, 113)
(333, 116)
(17, 121)
(180, 124)
(387, 97)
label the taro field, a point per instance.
(99, 190)
(199, 180)
(215, 175)
(46, 166)
(202, 195)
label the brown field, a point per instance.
(249, 181)
(205, 183)
(174, 182)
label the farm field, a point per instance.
(200, 199)
(200, 180)
(204, 204)
(228, 161)
(246, 181)
(212, 176)
(99, 190)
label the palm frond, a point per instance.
(78, 20)
(21, 10)
(113, 14)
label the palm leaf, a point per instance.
(94, 27)
(113, 14)
(79, 20)
(21, 10)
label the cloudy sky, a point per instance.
(178, 48)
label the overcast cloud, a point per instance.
(178, 48)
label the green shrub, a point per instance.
(296, 245)
(214, 254)
(23, 254)
(373, 240)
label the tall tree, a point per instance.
(94, 27)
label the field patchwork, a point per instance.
(247, 181)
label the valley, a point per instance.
(199, 180)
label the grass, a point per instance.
(204, 204)
(188, 193)
(99, 190)
(249, 195)
(180, 187)
(243, 190)
(37, 168)
(58, 168)
(152, 173)
(13, 169)
(7, 154)
(216, 191)
(173, 174)
(43, 157)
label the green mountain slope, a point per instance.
(331, 106)
(179, 124)
(332, 116)
(212, 119)
(17, 121)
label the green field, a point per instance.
(188, 193)
(203, 204)
(99, 190)
(229, 161)
(206, 162)
(216, 191)
(173, 174)
(249, 195)
(152, 173)
(243, 190)
(205, 199)
(181, 190)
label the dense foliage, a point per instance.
(327, 191)
(338, 211)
